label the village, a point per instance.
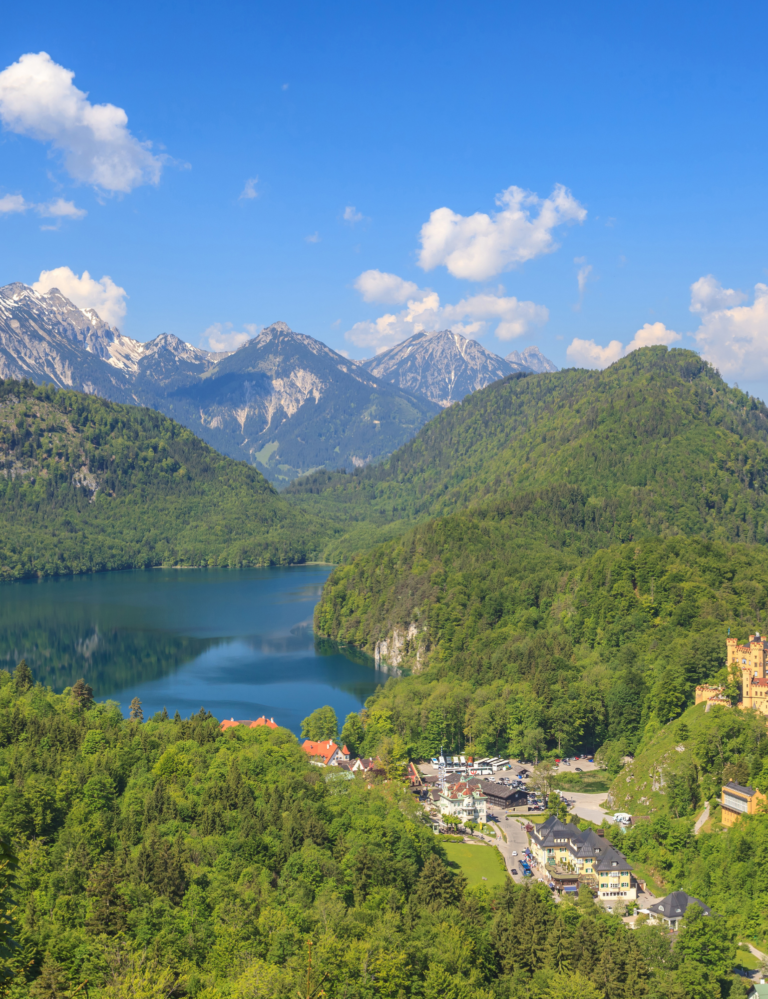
(501, 802)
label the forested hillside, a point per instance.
(600, 533)
(658, 438)
(87, 485)
(162, 859)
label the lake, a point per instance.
(237, 642)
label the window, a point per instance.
(734, 803)
(624, 884)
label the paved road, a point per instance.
(516, 840)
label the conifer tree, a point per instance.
(437, 886)
(82, 693)
(52, 983)
(136, 711)
(559, 954)
(22, 677)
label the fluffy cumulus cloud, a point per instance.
(708, 295)
(472, 316)
(479, 246)
(733, 336)
(588, 354)
(223, 336)
(388, 289)
(39, 99)
(103, 296)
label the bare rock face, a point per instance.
(443, 366)
(446, 366)
(284, 401)
(48, 339)
(532, 359)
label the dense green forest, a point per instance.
(597, 535)
(657, 442)
(87, 485)
(163, 858)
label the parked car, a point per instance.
(514, 870)
(514, 853)
(578, 770)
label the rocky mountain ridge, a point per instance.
(445, 366)
(283, 401)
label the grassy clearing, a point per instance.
(746, 959)
(480, 865)
(592, 782)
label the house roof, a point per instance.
(739, 789)
(612, 860)
(455, 792)
(326, 750)
(675, 904)
(592, 845)
(258, 723)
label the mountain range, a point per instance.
(283, 401)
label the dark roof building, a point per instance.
(671, 909)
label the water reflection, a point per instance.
(239, 642)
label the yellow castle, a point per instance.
(752, 661)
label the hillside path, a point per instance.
(701, 820)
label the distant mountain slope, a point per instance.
(284, 401)
(290, 404)
(531, 358)
(443, 366)
(87, 485)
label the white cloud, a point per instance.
(11, 203)
(314, 238)
(389, 289)
(58, 208)
(471, 316)
(249, 192)
(734, 339)
(223, 336)
(104, 296)
(588, 354)
(39, 99)
(61, 209)
(480, 246)
(352, 215)
(582, 276)
(708, 295)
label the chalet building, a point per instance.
(737, 801)
(259, 723)
(365, 764)
(464, 800)
(497, 795)
(327, 753)
(670, 910)
(591, 857)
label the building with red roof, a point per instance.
(327, 751)
(263, 721)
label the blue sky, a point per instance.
(651, 120)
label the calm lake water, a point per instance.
(237, 642)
